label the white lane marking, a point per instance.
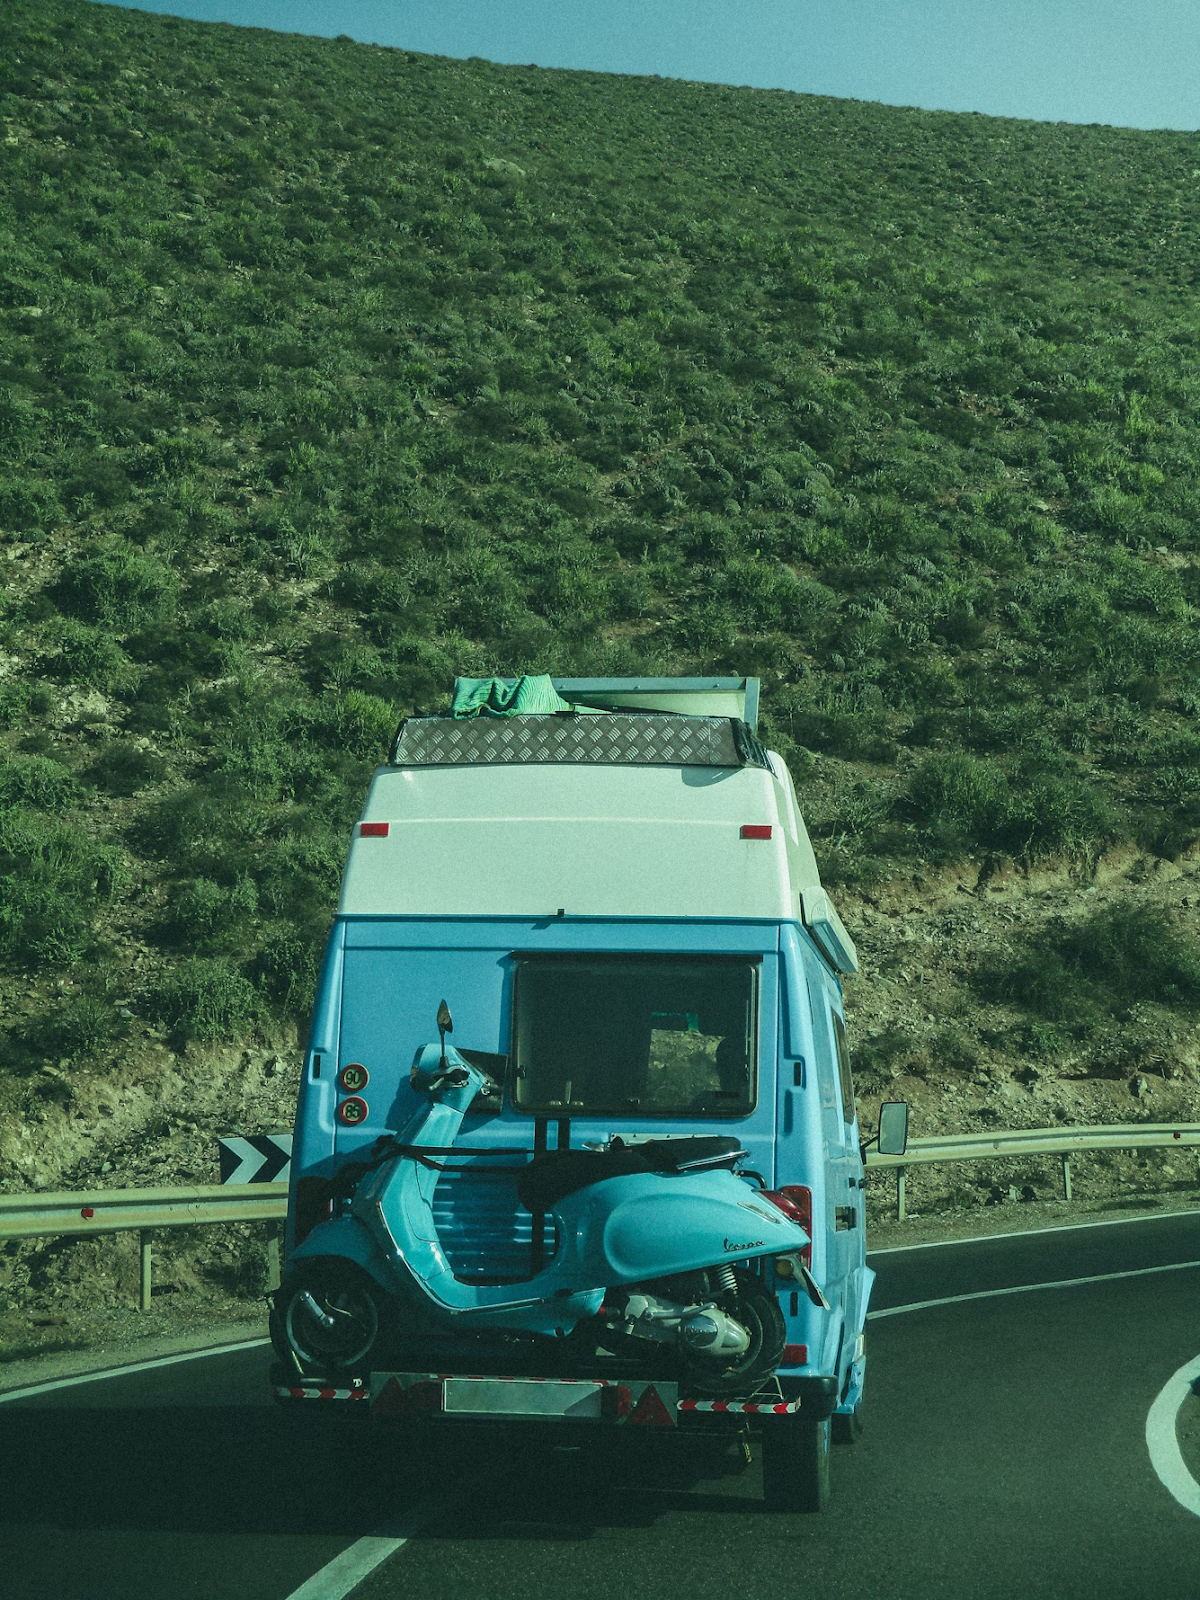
(137, 1366)
(1028, 1233)
(345, 1572)
(1028, 1288)
(1163, 1443)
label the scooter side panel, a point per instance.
(649, 1225)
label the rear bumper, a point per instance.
(631, 1403)
(817, 1396)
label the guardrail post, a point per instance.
(900, 1213)
(1066, 1175)
(272, 1260)
(145, 1284)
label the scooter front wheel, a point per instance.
(330, 1318)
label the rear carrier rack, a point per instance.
(634, 1402)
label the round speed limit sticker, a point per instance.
(353, 1111)
(354, 1077)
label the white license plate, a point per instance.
(521, 1397)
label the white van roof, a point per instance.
(535, 828)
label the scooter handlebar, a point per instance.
(452, 1078)
(434, 1073)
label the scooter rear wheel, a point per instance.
(330, 1317)
(757, 1309)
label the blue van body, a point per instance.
(385, 973)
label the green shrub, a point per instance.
(82, 1026)
(27, 505)
(120, 586)
(37, 782)
(208, 999)
(960, 800)
(87, 655)
(16, 696)
(203, 827)
(360, 724)
(286, 967)
(1117, 958)
(211, 916)
(1054, 815)
(52, 880)
(121, 769)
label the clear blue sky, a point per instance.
(1131, 62)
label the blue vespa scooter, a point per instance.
(653, 1246)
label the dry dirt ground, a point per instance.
(919, 1031)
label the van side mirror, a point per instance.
(893, 1128)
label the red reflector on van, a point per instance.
(373, 830)
(795, 1355)
(756, 830)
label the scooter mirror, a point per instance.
(893, 1128)
(445, 1021)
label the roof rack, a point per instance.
(689, 697)
(628, 737)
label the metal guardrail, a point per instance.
(1063, 1141)
(81, 1214)
(33, 1215)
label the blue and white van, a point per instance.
(636, 872)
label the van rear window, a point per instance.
(658, 1036)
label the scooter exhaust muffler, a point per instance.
(711, 1332)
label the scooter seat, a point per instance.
(688, 1152)
(551, 1177)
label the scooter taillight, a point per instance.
(795, 1201)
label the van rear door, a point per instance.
(843, 1163)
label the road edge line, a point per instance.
(1028, 1233)
(1028, 1288)
(1163, 1443)
(135, 1366)
(341, 1576)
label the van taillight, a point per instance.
(795, 1201)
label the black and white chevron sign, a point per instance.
(263, 1158)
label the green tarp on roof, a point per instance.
(501, 697)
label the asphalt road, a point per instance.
(1004, 1459)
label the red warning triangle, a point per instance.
(391, 1401)
(650, 1410)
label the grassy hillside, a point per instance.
(328, 371)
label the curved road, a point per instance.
(1005, 1458)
